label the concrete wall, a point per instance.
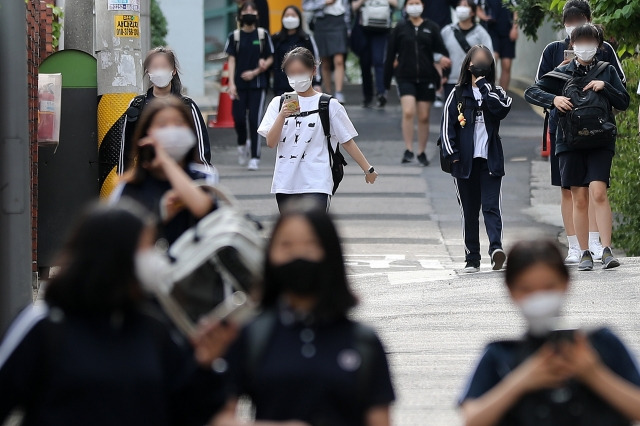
(528, 54)
(186, 37)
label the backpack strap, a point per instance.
(557, 74)
(462, 40)
(597, 70)
(236, 39)
(135, 108)
(325, 118)
(262, 34)
(259, 334)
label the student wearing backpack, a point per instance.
(307, 136)
(470, 139)
(369, 37)
(410, 58)
(162, 178)
(574, 14)
(291, 35)
(250, 53)
(161, 65)
(550, 377)
(584, 91)
(302, 361)
(459, 37)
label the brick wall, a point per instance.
(39, 19)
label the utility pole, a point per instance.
(145, 25)
(78, 25)
(15, 168)
(119, 78)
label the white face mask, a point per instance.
(585, 52)
(290, 22)
(569, 29)
(161, 78)
(152, 270)
(415, 10)
(176, 140)
(300, 83)
(542, 310)
(463, 13)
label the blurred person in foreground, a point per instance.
(551, 376)
(92, 353)
(303, 361)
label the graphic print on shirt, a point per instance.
(283, 140)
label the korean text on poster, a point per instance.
(127, 26)
(133, 5)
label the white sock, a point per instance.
(594, 237)
(573, 242)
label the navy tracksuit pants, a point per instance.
(248, 101)
(481, 190)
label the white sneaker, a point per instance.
(438, 104)
(596, 249)
(254, 164)
(339, 97)
(242, 155)
(573, 257)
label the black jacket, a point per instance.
(414, 48)
(282, 44)
(458, 142)
(547, 88)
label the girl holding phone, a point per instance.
(295, 128)
(471, 142)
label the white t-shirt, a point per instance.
(480, 136)
(336, 8)
(302, 159)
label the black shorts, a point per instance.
(503, 46)
(554, 161)
(580, 168)
(422, 91)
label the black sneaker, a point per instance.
(422, 158)
(586, 261)
(408, 157)
(382, 101)
(498, 258)
(608, 260)
(472, 266)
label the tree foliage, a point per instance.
(159, 28)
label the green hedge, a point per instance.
(625, 174)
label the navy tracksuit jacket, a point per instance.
(478, 181)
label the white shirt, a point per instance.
(302, 159)
(480, 135)
(336, 8)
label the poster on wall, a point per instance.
(133, 5)
(49, 108)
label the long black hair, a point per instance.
(588, 30)
(244, 6)
(465, 74)
(97, 273)
(335, 298)
(299, 31)
(176, 83)
(526, 254)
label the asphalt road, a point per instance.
(403, 242)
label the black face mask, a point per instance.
(302, 277)
(249, 19)
(480, 69)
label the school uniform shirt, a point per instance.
(302, 157)
(414, 47)
(480, 135)
(459, 143)
(547, 88)
(553, 55)
(501, 358)
(248, 53)
(123, 369)
(310, 371)
(474, 35)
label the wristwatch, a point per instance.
(371, 170)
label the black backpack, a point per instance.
(590, 124)
(336, 159)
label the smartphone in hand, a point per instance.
(292, 102)
(569, 54)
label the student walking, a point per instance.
(585, 153)
(302, 361)
(369, 37)
(550, 377)
(575, 13)
(161, 65)
(298, 131)
(331, 20)
(291, 35)
(250, 53)
(410, 58)
(471, 142)
(459, 37)
(162, 178)
(502, 23)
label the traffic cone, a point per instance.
(546, 146)
(224, 118)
